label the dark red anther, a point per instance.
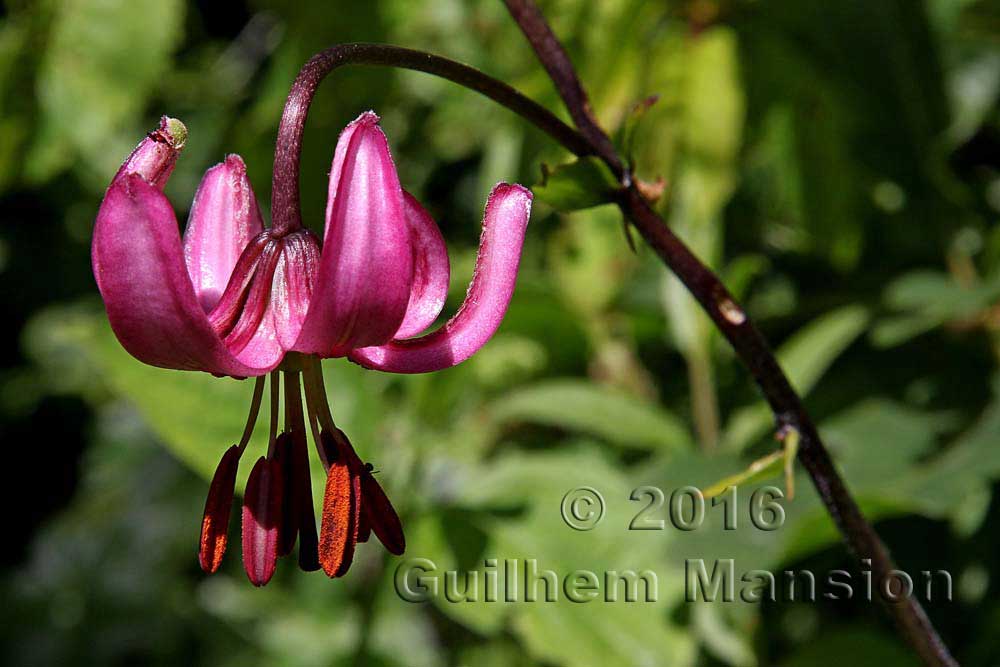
(334, 443)
(218, 507)
(262, 513)
(382, 516)
(341, 507)
(364, 524)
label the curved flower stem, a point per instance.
(741, 333)
(285, 210)
(704, 285)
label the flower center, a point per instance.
(269, 290)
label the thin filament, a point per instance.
(272, 434)
(319, 411)
(315, 379)
(258, 395)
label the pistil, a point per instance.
(300, 487)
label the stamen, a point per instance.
(333, 443)
(272, 432)
(218, 507)
(354, 503)
(382, 516)
(314, 427)
(262, 513)
(341, 510)
(219, 504)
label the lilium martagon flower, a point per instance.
(235, 298)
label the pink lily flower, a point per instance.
(234, 298)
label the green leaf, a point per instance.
(761, 470)
(949, 482)
(876, 437)
(588, 262)
(582, 407)
(584, 183)
(714, 99)
(868, 649)
(780, 462)
(598, 632)
(624, 137)
(812, 350)
(924, 300)
(724, 642)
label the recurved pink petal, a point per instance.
(366, 266)
(139, 266)
(431, 270)
(504, 225)
(224, 218)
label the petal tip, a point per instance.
(234, 161)
(504, 189)
(366, 118)
(509, 195)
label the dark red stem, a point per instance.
(741, 333)
(285, 210)
(706, 287)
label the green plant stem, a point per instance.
(739, 330)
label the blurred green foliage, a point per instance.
(837, 162)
